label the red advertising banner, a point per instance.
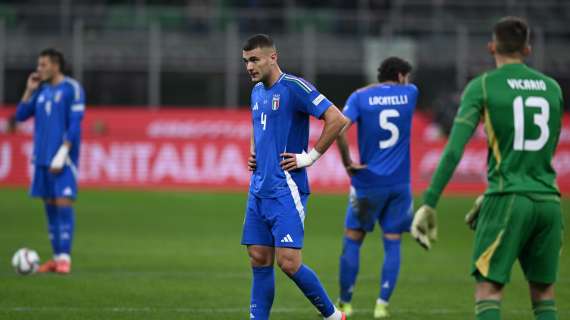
(208, 148)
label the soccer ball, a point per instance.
(26, 261)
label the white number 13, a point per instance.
(540, 119)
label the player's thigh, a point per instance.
(502, 229)
(362, 210)
(288, 220)
(256, 229)
(540, 257)
(41, 182)
(64, 183)
(397, 214)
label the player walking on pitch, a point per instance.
(380, 190)
(520, 215)
(57, 104)
(279, 189)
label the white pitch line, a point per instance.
(440, 311)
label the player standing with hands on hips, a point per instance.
(274, 220)
(57, 103)
(519, 216)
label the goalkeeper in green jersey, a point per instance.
(519, 216)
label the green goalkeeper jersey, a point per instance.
(522, 112)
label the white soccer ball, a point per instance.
(26, 261)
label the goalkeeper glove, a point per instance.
(60, 157)
(472, 216)
(424, 226)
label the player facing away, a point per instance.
(519, 216)
(57, 104)
(276, 207)
(380, 191)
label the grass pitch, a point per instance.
(176, 255)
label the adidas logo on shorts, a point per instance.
(287, 239)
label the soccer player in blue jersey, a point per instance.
(57, 104)
(274, 220)
(380, 190)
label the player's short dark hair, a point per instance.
(258, 41)
(55, 56)
(391, 67)
(511, 35)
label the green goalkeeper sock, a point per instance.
(488, 310)
(545, 310)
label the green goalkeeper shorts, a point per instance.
(527, 227)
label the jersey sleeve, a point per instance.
(351, 109)
(310, 100)
(26, 109)
(414, 93)
(76, 99)
(465, 123)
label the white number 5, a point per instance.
(387, 125)
(540, 119)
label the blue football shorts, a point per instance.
(50, 186)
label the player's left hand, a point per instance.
(59, 159)
(424, 226)
(472, 216)
(294, 161)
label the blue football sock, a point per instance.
(349, 265)
(309, 283)
(391, 268)
(53, 227)
(262, 292)
(66, 227)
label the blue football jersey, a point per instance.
(383, 114)
(281, 124)
(57, 111)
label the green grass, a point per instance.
(176, 255)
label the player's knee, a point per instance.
(392, 236)
(289, 264)
(260, 257)
(63, 202)
(355, 234)
(488, 291)
(539, 291)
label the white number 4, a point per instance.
(540, 119)
(387, 125)
(263, 120)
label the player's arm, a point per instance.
(26, 107)
(251, 162)
(335, 122)
(424, 226)
(72, 136)
(351, 111)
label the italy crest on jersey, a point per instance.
(275, 102)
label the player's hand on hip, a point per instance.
(424, 226)
(33, 81)
(293, 161)
(353, 168)
(251, 162)
(473, 215)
